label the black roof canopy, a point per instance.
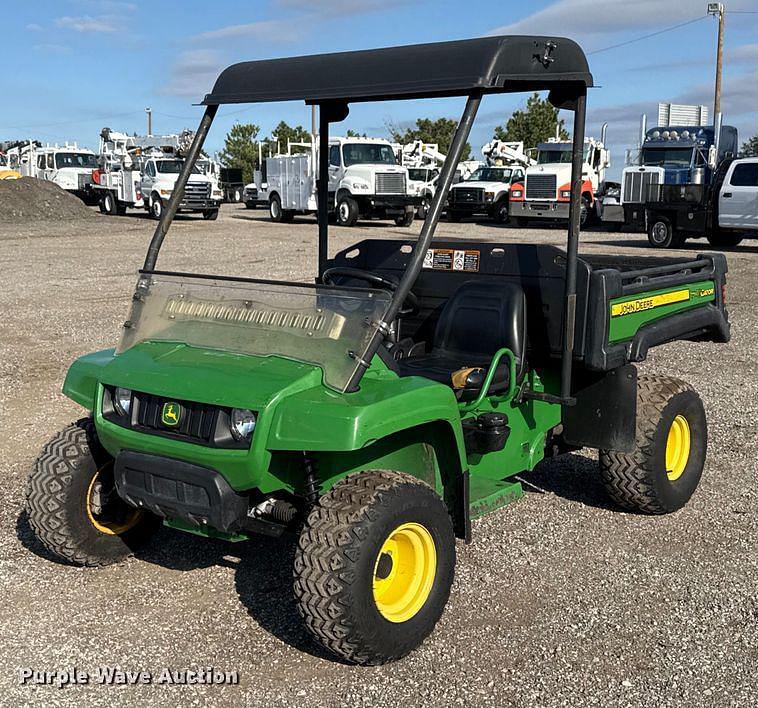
(487, 64)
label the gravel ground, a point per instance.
(560, 600)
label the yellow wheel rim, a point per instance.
(677, 448)
(109, 528)
(404, 572)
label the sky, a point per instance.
(72, 67)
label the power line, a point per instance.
(648, 36)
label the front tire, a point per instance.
(500, 211)
(406, 219)
(72, 504)
(347, 211)
(663, 470)
(210, 214)
(724, 239)
(374, 566)
(661, 233)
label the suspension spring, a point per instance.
(312, 486)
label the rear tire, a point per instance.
(724, 239)
(423, 210)
(72, 505)
(662, 472)
(275, 210)
(109, 204)
(374, 566)
(156, 207)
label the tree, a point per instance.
(750, 148)
(350, 133)
(533, 125)
(240, 150)
(284, 133)
(438, 131)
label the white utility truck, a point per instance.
(68, 166)
(487, 190)
(365, 181)
(546, 191)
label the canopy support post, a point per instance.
(178, 194)
(427, 234)
(572, 249)
(322, 189)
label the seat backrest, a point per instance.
(480, 318)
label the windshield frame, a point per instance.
(196, 170)
(650, 151)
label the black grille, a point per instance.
(197, 421)
(541, 186)
(467, 195)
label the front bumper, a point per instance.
(539, 209)
(393, 205)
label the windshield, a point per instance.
(418, 174)
(174, 167)
(320, 325)
(491, 174)
(559, 155)
(657, 157)
(75, 159)
(3, 161)
(368, 154)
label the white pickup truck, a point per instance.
(159, 174)
(736, 214)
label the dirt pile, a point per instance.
(28, 199)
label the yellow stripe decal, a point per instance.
(648, 303)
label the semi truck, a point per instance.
(666, 190)
(365, 181)
(546, 190)
(487, 190)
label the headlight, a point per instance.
(242, 423)
(166, 192)
(565, 194)
(122, 401)
(217, 193)
(360, 185)
(489, 196)
(516, 193)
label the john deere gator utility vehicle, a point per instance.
(377, 409)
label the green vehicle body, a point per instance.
(410, 424)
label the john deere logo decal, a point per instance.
(171, 414)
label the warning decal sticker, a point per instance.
(452, 259)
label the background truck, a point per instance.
(5, 170)
(665, 189)
(487, 190)
(364, 181)
(546, 191)
(231, 184)
(159, 175)
(68, 166)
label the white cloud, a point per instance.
(269, 30)
(88, 24)
(194, 73)
(34, 27)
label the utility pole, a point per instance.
(717, 9)
(149, 112)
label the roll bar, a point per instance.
(488, 60)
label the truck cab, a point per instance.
(159, 175)
(422, 182)
(365, 180)
(738, 197)
(5, 170)
(69, 167)
(486, 192)
(546, 192)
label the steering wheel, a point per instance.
(410, 303)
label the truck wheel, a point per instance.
(156, 207)
(347, 211)
(374, 566)
(275, 210)
(423, 210)
(109, 204)
(661, 473)
(500, 211)
(210, 214)
(724, 239)
(661, 234)
(407, 218)
(72, 504)
(586, 213)
(236, 196)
